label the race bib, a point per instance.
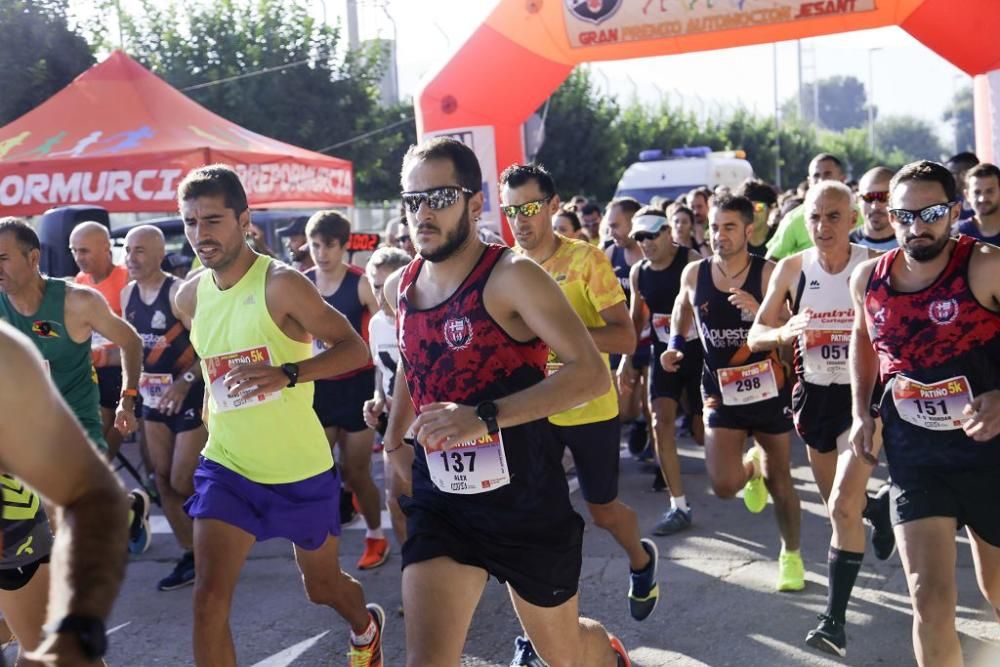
(318, 346)
(935, 407)
(752, 383)
(825, 351)
(152, 386)
(661, 326)
(472, 467)
(216, 369)
(99, 342)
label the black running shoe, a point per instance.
(524, 654)
(637, 437)
(644, 587)
(883, 539)
(829, 637)
(183, 574)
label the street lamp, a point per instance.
(871, 100)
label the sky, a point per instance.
(708, 83)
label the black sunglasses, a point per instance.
(928, 214)
(435, 198)
(646, 236)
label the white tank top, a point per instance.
(821, 351)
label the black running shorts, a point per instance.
(970, 495)
(596, 454)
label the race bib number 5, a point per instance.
(471, 467)
(753, 383)
(216, 369)
(936, 407)
(152, 386)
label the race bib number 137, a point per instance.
(471, 467)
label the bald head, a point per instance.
(875, 179)
(90, 243)
(830, 215)
(145, 248)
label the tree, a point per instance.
(324, 98)
(903, 139)
(39, 54)
(960, 113)
(842, 103)
(583, 148)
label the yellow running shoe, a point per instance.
(755, 493)
(791, 572)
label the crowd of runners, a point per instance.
(862, 316)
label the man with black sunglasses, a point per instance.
(489, 494)
(927, 327)
(875, 231)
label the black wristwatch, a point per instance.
(292, 371)
(487, 411)
(88, 630)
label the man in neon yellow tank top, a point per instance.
(267, 470)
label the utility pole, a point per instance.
(871, 100)
(352, 24)
(777, 116)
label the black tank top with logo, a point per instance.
(166, 346)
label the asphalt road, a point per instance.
(717, 604)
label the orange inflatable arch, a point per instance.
(526, 48)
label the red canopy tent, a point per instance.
(120, 137)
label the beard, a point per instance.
(452, 241)
(927, 252)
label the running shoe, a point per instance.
(524, 654)
(644, 588)
(659, 484)
(791, 572)
(620, 652)
(139, 535)
(674, 521)
(883, 539)
(183, 574)
(829, 636)
(376, 553)
(637, 437)
(369, 655)
(755, 493)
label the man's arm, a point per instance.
(617, 336)
(984, 281)
(770, 330)
(863, 370)
(681, 319)
(366, 296)
(402, 414)
(36, 430)
(628, 376)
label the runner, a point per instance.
(928, 329)
(744, 392)
(339, 401)
(90, 243)
(61, 318)
(815, 283)
(267, 470)
(983, 192)
(385, 351)
(475, 325)
(655, 283)
(681, 220)
(765, 206)
(875, 231)
(88, 556)
(170, 386)
(624, 253)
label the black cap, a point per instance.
(297, 228)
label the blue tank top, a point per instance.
(659, 288)
(622, 269)
(723, 327)
(166, 344)
(345, 299)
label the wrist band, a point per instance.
(390, 451)
(676, 343)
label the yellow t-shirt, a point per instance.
(587, 279)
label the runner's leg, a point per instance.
(328, 585)
(927, 549)
(560, 637)
(355, 470)
(24, 611)
(778, 478)
(440, 596)
(220, 549)
(160, 440)
(986, 558)
(724, 460)
(847, 501)
(664, 411)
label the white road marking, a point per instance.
(289, 655)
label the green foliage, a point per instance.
(39, 54)
(960, 113)
(843, 103)
(903, 139)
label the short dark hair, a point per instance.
(963, 160)
(627, 204)
(737, 204)
(568, 213)
(755, 189)
(329, 226)
(702, 191)
(517, 175)
(213, 180)
(927, 172)
(23, 234)
(590, 208)
(649, 209)
(829, 157)
(983, 170)
(463, 160)
(676, 208)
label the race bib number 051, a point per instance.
(937, 406)
(826, 350)
(216, 369)
(753, 383)
(471, 467)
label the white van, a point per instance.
(657, 174)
